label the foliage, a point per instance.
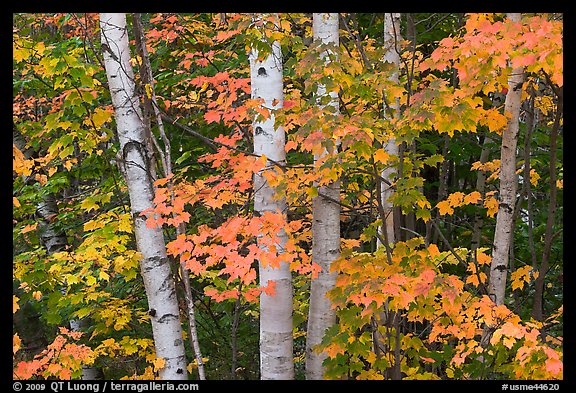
(444, 320)
(416, 309)
(62, 359)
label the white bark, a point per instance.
(325, 224)
(508, 185)
(391, 109)
(155, 268)
(276, 340)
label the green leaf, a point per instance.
(183, 157)
(66, 152)
(312, 191)
(83, 312)
(433, 160)
(423, 214)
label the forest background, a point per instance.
(288, 196)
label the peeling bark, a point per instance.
(276, 341)
(391, 39)
(154, 266)
(325, 225)
(389, 214)
(508, 185)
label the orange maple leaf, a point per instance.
(212, 116)
(270, 289)
(554, 366)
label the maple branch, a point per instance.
(481, 286)
(557, 90)
(411, 231)
(328, 198)
(150, 101)
(374, 174)
(87, 39)
(215, 144)
(434, 24)
(195, 44)
(356, 41)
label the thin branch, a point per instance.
(481, 286)
(357, 43)
(215, 144)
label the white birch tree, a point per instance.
(391, 110)
(276, 341)
(155, 267)
(325, 220)
(508, 184)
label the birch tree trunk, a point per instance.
(508, 185)
(392, 109)
(155, 269)
(325, 223)
(390, 220)
(276, 341)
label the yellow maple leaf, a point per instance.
(444, 208)
(159, 363)
(491, 204)
(496, 121)
(194, 364)
(381, 156)
(456, 199)
(423, 203)
(433, 250)
(71, 279)
(472, 279)
(93, 224)
(101, 116)
(519, 276)
(15, 305)
(89, 204)
(16, 343)
(534, 177)
(125, 223)
(473, 197)
(483, 259)
(90, 280)
(508, 342)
